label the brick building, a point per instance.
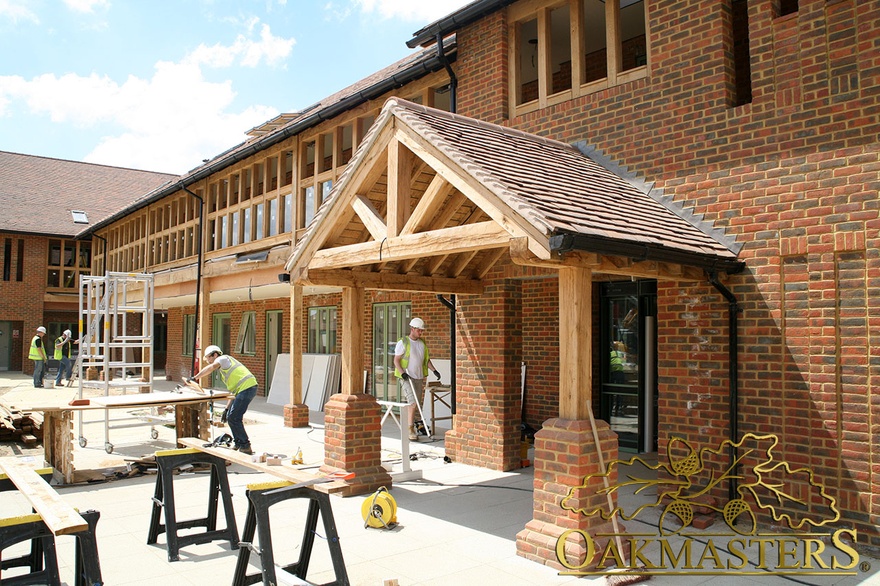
(747, 310)
(46, 204)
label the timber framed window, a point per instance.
(568, 48)
(68, 259)
(322, 330)
(247, 335)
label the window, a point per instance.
(79, 217)
(322, 330)
(7, 259)
(260, 223)
(189, 330)
(247, 336)
(247, 225)
(273, 217)
(68, 259)
(553, 61)
(288, 213)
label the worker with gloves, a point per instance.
(241, 383)
(411, 365)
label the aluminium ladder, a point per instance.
(116, 339)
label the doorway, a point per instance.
(5, 344)
(628, 397)
(221, 335)
(389, 325)
(274, 338)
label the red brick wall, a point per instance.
(22, 301)
(793, 175)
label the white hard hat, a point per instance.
(67, 333)
(417, 322)
(212, 350)
(41, 329)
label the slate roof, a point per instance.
(557, 189)
(37, 194)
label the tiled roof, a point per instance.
(38, 193)
(555, 187)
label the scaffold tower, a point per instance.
(116, 342)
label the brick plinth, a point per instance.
(353, 442)
(296, 415)
(565, 453)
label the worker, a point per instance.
(241, 383)
(63, 344)
(411, 365)
(38, 355)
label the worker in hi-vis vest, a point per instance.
(412, 363)
(241, 383)
(38, 355)
(63, 344)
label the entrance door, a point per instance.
(5, 344)
(629, 362)
(389, 325)
(221, 335)
(274, 338)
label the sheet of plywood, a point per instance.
(279, 391)
(60, 518)
(314, 395)
(155, 398)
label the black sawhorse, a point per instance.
(42, 561)
(163, 498)
(260, 498)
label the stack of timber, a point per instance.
(20, 426)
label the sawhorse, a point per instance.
(163, 498)
(260, 498)
(42, 560)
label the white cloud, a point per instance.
(17, 11)
(248, 52)
(86, 6)
(167, 123)
(418, 11)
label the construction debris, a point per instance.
(20, 426)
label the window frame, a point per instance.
(246, 343)
(315, 336)
(520, 13)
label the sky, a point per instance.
(161, 85)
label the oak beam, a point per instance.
(353, 341)
(366, 211)
(387, 281)
(444, 241)
(297, 326)
(428, 206)
(400, 165)
(575, 342)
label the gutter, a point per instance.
(453, 22)
(413, 73)
(200, 255)
(733, 362)
(562, 243)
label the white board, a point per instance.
(279, 391)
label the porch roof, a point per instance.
(548, 192)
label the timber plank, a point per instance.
(60, 518)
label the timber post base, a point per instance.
(296, 415)
(565, 453)
(353, 442)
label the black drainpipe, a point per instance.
(450, 303)
(195, 355)
(104, 240)
(733, 362)
(453, 81)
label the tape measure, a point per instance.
(379, 510)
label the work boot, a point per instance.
(413, 436)
(245, 450)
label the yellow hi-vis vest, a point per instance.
(405, 360)
(237, 377)
(35, 353)
(59, 349)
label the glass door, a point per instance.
(274, 339)
(221, 335)
(628, 359)
(390, 323)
